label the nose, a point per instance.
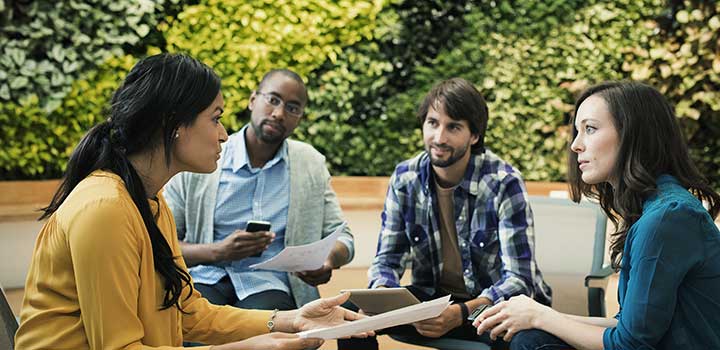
(577, 144)
(278, 112)
(223, 135)
(440, 136)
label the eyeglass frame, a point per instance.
(267, 96)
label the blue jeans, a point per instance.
(223, 293)
(465, 332)
(535, 339)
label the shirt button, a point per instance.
(463, 244)
(482, 244)
(417, 238)
(467, 270)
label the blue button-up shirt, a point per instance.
(494, 225)
(670, 276)
(246, 193)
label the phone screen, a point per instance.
(255, 226)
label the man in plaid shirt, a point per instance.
(459, 213)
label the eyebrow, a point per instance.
(283, 98)
(584, 121)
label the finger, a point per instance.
(433, 328)
(351, 315)
(253, 236)
(310, 343)
(431, 321)
(508, 336)
(336, 300)
(490, 322)
(498, 330)
(492, 310)
(312, 273)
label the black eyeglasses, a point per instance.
(292, 108)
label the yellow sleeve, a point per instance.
(106, 248)
(213, 324)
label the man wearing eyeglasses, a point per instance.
(262, 175)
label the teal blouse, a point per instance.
(669, 286)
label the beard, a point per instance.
(272, 138)
(455, 155)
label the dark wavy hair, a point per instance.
(461, 101)
(159, 95)
(651, 144)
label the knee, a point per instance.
(529, 339)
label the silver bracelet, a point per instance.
(271, 321)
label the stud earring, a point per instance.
(177, 135)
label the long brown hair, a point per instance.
(159, 95)
(651, 144)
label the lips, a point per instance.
(583, 164)
(274, 126)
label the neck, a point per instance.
(259, 151)
(452, 175)
(152, 171)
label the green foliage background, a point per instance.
(367, 63)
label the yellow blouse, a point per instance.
(92, 282)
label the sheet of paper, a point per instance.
(408, 314)
(302, 257)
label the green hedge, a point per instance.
(48, 49)
(240, 47)
(683, 61)
(47, 45)
(367, 65)
(528, 68)
(243, 39)
(348, 117)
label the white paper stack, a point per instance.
(408, 314)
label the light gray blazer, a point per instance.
(313, 212)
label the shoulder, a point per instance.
(410, 171)
(671, 217)
(496, 174)
(99, 201)
(304, 152)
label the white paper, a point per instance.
(306, 257)
(408, 314)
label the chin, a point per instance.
(589, 179)
(206, 169)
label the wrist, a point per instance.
(284, 321)
(459, 315)
(464, 313)
(216, 252)
(544, 315)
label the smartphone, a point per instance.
(473, 315)
(255, 226)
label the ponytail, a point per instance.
(160, 94)
(92, 153)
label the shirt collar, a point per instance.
(469, 184)
(238, 156)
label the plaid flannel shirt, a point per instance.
(494, 224)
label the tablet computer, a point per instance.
(377, 301)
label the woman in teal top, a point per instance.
(629, 154)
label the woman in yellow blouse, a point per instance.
(107, 272)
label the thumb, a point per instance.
(336, 300)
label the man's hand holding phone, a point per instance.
(251, 241)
